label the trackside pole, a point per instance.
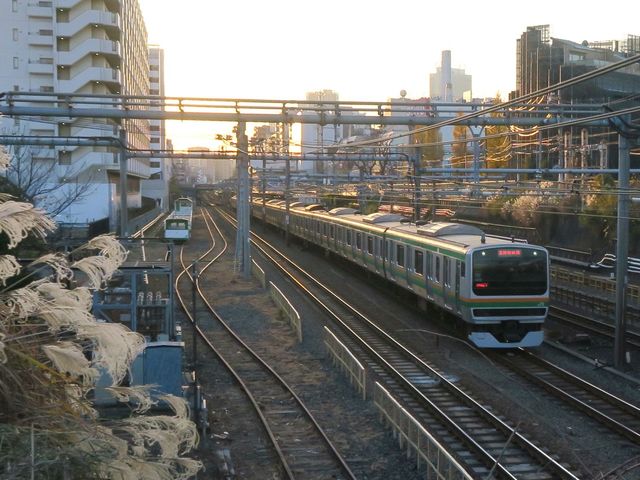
(622, 247)
(243, 256)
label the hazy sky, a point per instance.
(363, 49)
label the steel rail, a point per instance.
(584, 399)
(342, 465)
(488, 459)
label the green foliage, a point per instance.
(429, 150)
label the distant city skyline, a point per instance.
(362, 50)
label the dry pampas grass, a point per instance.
(18, 219)
(52, 353)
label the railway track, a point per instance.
(300, 444)
(590, 325)
(484, 446)
(615, 414)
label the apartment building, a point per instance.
(76, 47)
(160, 167)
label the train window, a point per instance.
(358, 240)
(400, 255)
(437, 277)
(418, 261)
(348, 237)
(429, 266)
(509, 271)
(370, 244)
(332, 231)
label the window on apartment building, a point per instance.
(14, 34)
(16, 63)
(154, 164)
(44, 89)
(45, 32)
(153, 68)
(64, 157)
(154, 91)
(154, 140)
(154, 128)
(14, 5)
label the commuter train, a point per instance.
(177, 226)
(496, 288)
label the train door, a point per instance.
(360, 250)
(408, 267)
(428, 278)
(457, 285)
(334, 237)
(391, 257)
(437, 279)
(448, 291)
(418, 269)
(401, 262)
(371, 259)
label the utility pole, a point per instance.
(123, 182)
(243, 257)
(475, 132)
(264, 186)
(417, 187)
(287, 183)
(194, 340)
(622, 247)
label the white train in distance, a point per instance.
(496, 288)
(177, 226)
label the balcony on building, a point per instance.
(109, 48)
(41, 9)
(111, 5)
(41, 37)
(100, 18)
(106, 75)
(41, 66)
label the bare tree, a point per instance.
(35, 175)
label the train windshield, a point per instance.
(509, 271)
(176, 225)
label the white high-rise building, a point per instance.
(316, 138)
(449, 84)
(76, 47)
(157, 186)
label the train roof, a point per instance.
(342, 211)
(456, 235)
(441, 229)
(178, 215)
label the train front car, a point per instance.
(177, 228)
(508, 295)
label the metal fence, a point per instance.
(286, 307)
(418, 441)
(346, 361)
